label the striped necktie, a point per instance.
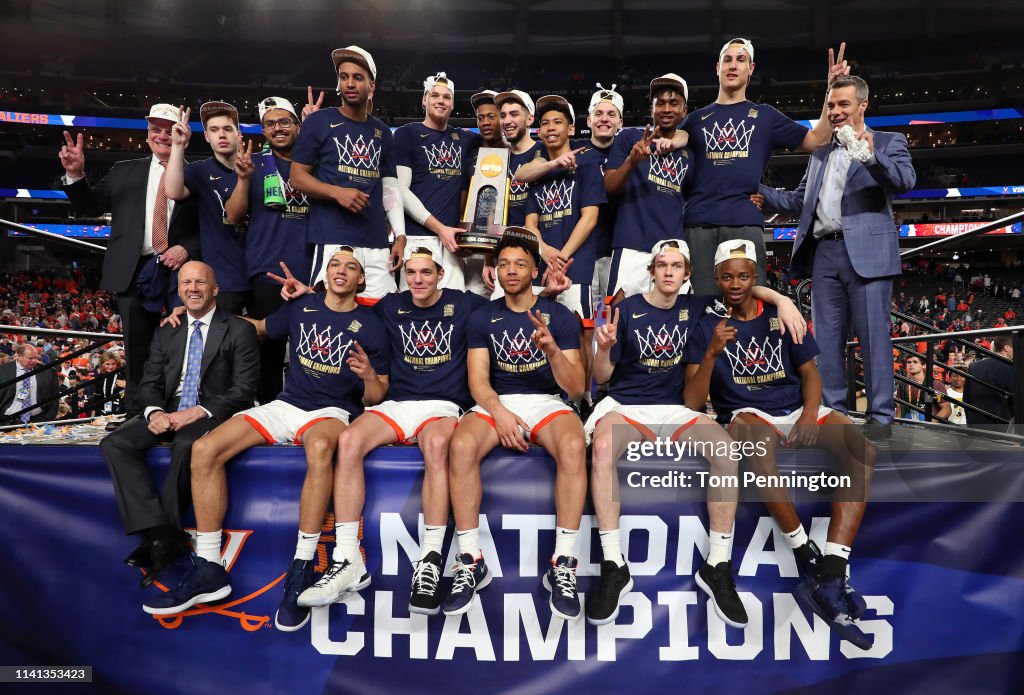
(160, 214)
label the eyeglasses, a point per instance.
(280, 122)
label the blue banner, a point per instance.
(944, 582)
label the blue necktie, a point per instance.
(190, 389)
(24, 396)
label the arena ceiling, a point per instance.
(616, 27)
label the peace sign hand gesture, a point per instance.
(607, 335)
(290, 287)
(541, 335)
(837, 67)
(642, 149)
(243, 162)
(359, 363)
(72, 156)
(311, 105)
(181, 133)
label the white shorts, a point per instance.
(782, 424)
(379, 281)
(650, 420)
(279, 421)
(576, 299)
(599, 285)
(536, 410)
(629, 268)
(407, 418)
(454, 272)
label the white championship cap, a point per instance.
(484, 97)
(737, 248)
(441, 79)
(210, 108)
(609, 95)
(164, 112)
(413, 251)
(271, 103)
(517, 96)
(670, 79)
(745, 44)
(357, 55)
(670, 245)
(558, 102)
(351, 252)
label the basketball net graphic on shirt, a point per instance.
(661, 344)
(518, 349)
(668, 170)
(444, 155)
(755, 358)
(555, 196)
(429, 339)
(729, 137)
(517, 186)
(321, 350)
(359, 154)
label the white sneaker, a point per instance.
(340, 578)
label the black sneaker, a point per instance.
(425, 598)
(290, 615)
(808, 560)
(560, 580)
(603, 604)
(718, 584)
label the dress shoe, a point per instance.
(111, 426)
(877, 431)
(164, 551)
(141, 556)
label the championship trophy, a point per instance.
(486, 204)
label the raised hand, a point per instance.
(837, 67)
(243, 162)
(868, 137)
(607, 335)
(311, 105)
(352, 199)
(359, 363)
(723, 335)
(72, 156)
(290, 287)
(568, 160)
(642, 149)
(541, 335)
(181, 133)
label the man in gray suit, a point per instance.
(199, 374)
(848, 244)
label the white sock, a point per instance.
(796, 538)
(346, 542)
(565, 542)
(433, 539)
(721, 548)
(469, 542)
(610, 547)
(208, 545)
(838, 549)
(305, 548)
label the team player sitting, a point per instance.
(641, 353)
(768, 388)
(523, 350)
(338, 362)
(426, 328)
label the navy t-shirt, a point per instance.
(319, 341)
(602, 234)
(277, 234)
(731, 146)
(350, 154)
(651, 206)
(222, 244)
(517, 364)
(428, 346)
(437, 158)
(518, 191)
(758, 370)
(558, 200)
(650, 349)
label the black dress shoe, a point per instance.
(141, 556)
(111, 426)
(164, 551)
(877, 431)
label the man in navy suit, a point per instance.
(848, 244)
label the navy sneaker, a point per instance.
(560, 580)
(603, 604)
(290, 615)
(425, 597)
(827, 600)
(808, 560)
(470, 577)
(717, 582)
(204, 582)
(855, 603)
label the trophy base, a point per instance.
(476, 243)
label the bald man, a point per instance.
(198, 375)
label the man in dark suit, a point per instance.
(199, 374)
(848, 244)
(144, 223)
(17, 396)
(997, 372)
